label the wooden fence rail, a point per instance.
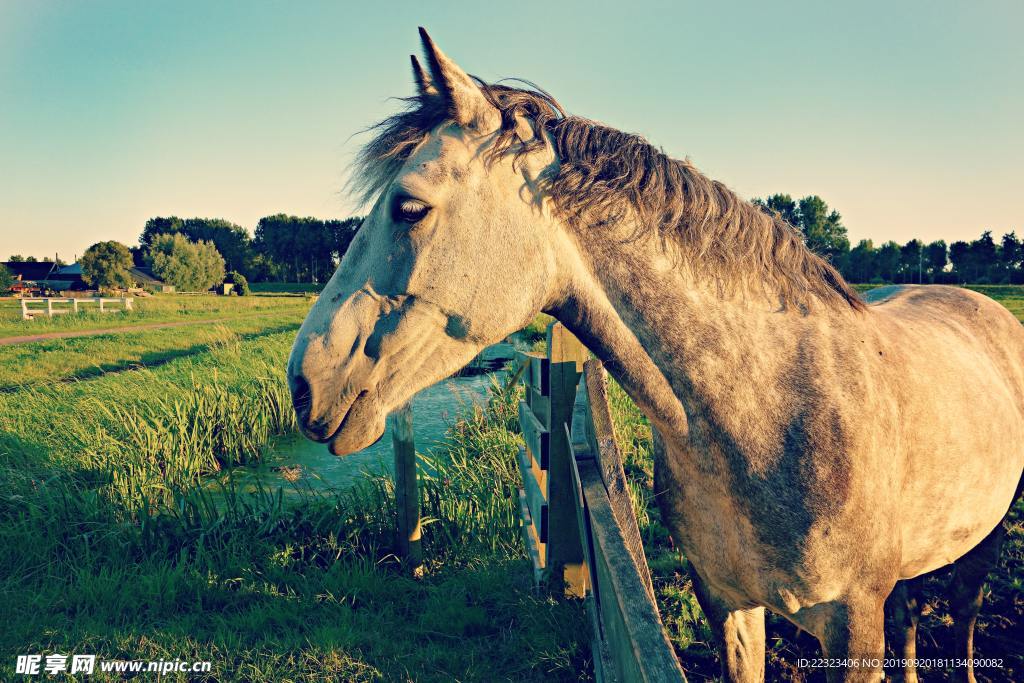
(77, 304)
(578, 520)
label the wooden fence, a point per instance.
(578, 520)
(83, 304)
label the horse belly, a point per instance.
(964, 457)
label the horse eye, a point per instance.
(408, 210)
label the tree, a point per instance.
(912, 261)
(981, 258)
(189, 266)
(106, 265)
(783, 205)
(1012, 255)
(18, 258)
(6, 278)
(960, 255)
(861, 265)
(302, 249)
(889, 261)
(823, 230)
(936, 258)
(240, 283)
(231, 241)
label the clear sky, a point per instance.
(905, 116)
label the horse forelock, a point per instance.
(605, 175)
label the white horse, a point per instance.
(814, 450)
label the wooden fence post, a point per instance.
(565, 551)
(407, 498)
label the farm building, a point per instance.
(36, 278)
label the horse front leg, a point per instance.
(854, 634)
(739, 634)
(902, 612)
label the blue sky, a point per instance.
(905, 116)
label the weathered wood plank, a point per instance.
(536, 497)
(540, 405)
(534, 548)
(407, 498)
(537, 438)
(536, 371)
(565, 544)
(603, 667)
(564, 347)
(609, 461)
(639, 648)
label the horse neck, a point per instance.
(676, 344)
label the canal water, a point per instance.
(293, 462)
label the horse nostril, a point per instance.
(302, 398)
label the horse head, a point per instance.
(458, 251)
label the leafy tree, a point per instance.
(783, 205)
(302, 249)
(18, 258)
(983, 254)
(240, 283)
(936, 257)
(912, 261)
(6, 278)
(189, 266)
(106, 265)
(861, 265)
(1012, 255)
(889, 257)
(823, 230)
(231, 241)
(960, 255)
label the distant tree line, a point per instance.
(283, 248)
(296, 249)
(981, 261)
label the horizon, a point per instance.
(121, 113)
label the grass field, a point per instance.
(111, 545)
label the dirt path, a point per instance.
(7, 341)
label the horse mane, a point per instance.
(604, 174)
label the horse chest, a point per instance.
(751, 546)
(715, 534)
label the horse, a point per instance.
(815, 451)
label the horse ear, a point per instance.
(465, 101)
(424, 86)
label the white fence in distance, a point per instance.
(102, 304)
